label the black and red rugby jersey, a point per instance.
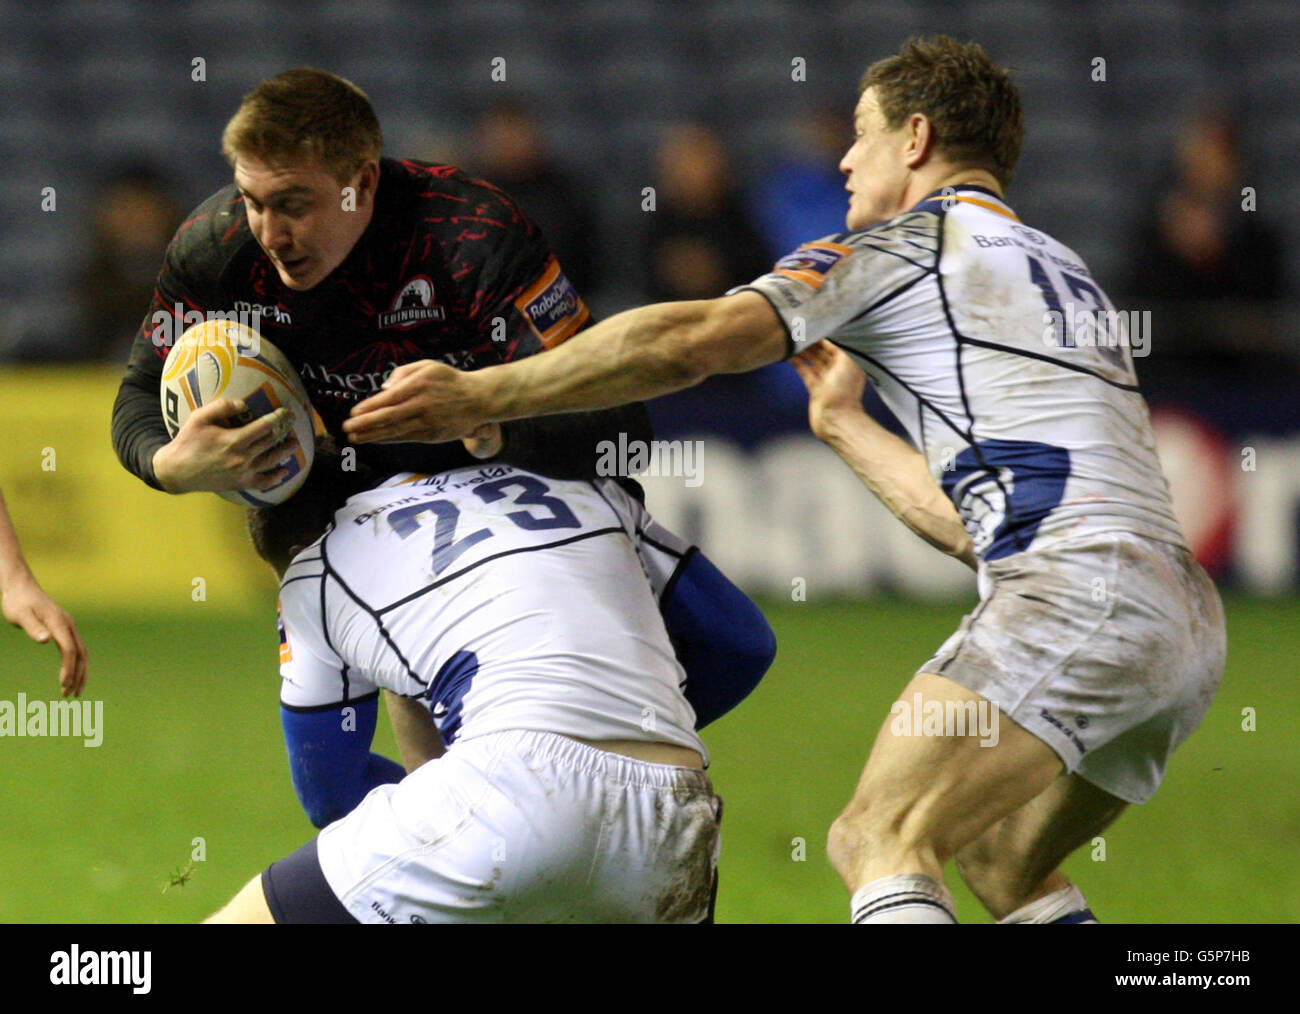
(448, 269)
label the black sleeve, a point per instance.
(138, 428)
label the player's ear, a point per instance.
(367, 178)
(920, 132)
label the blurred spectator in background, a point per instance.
(1198, 242)
(1210, 273)
(133, 217)
(701, 240)
(803, 197)
(509, 152)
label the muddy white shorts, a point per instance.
(528, 827)
(1108, 648)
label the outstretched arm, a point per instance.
(632, 356)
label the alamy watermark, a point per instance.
(167, 326)
(78, 719)
(920, 717)
(674, 458)
(1073, 327)
(75, 967)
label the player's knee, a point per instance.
(874, 830)
(844, 844)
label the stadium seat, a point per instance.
(1016, 26)
(1270, 88)
(491, 28)
(247, 22)
(628, 83)
(118, 25)
(876, 29)
(1255, 33)
(336, 26)
(1064, 142)
(105, 77)
(601, 27)
(1141, 29)
(761, 27)
(760, 143)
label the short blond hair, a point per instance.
(305, 115)
(971, 102)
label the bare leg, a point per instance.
(922, 798)
(248, 906)
(1015, 861)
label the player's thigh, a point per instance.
(945, 765)
(1006, 863)
(248, 906)
(1107, 648)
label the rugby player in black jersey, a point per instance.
(352, 264)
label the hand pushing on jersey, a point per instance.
(891, 468)
(211, 452)
(424, 401)
(835, 385)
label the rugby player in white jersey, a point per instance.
(530, 618)
(1098, 638)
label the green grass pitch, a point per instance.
(192, 750)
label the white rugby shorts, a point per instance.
(1109, 648)
(523, 826)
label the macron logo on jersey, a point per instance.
(552, 307)
(811, 262)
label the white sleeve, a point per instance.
(311, 673)
(662, 553)
(825, 284)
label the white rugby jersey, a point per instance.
(974, 328)
(503, 599)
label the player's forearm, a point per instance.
(13, 565)
(330, 759)
(899, 477)
(138, 429)
(633, 356)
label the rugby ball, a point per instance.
(227, 359)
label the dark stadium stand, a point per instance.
(89, 84)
